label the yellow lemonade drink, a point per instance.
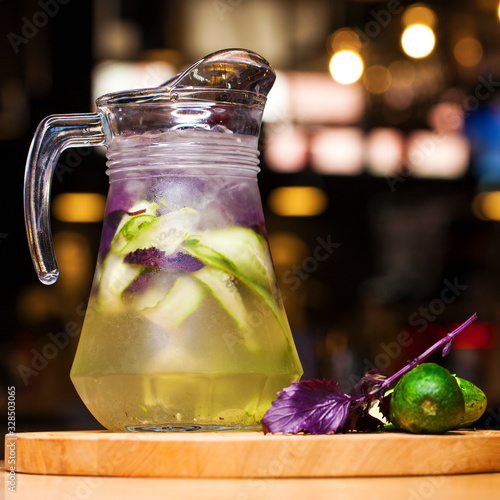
(185, 328)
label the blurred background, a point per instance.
(380, 166)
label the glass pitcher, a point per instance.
(185, 329)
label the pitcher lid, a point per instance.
(237, 76)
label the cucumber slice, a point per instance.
(242, 253)
(153, 293)
(116, 276)
(235, 249)
(182, 300)
(223, 289)
(129, 230)
(143, 206)
(166, 232)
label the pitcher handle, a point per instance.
(54, 134)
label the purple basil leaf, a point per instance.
(447, 349)
(183, 262)
(320, 407)
(110, 225)
(314, 406)
(360, 420)
(252, 219)
(140, 283)
(152, 257)
(371, 380)
(148, 257)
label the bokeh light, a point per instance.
(486, 205)
(298, 201)
(292, 101)
(346, 66)
(446, 116)
(419, 14)
(286, 149)
(384, 151)
(79, 207)
(438, 155)
(418, 41)
(329, 102)
(377, 79)
(468, 51)
(399, 98)
(337, 151)
(402, 73)
(344, 39)
(287, 248)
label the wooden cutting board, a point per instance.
(252, 454)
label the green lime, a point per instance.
(427, 399)
(475, 402)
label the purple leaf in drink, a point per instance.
(153, 257)
(181, 261)
(111, 223)
(315, 406)
(251, 219)
(140, 284)
(147, 257)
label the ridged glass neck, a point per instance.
(155, 154)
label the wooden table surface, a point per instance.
(240, 455)
(452, 487)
